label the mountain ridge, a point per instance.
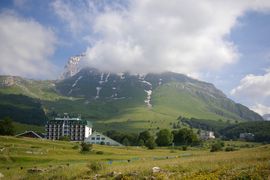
(130, 101)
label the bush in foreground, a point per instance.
(85, 147)
(227, 149)
(96, 166)
(150, 143)
(217, 146)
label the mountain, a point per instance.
(33, 88)
(266, 117)
(127, 102)
(162, 93)
(22, 109)
(72, 66)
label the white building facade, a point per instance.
(207, 135)
(98, 138)
(74, 128)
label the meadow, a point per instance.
(25, 158)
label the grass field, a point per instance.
(63, 160)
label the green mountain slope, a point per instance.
(130, 102)
(22, 109)
(32, 88)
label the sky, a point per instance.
(224, 42)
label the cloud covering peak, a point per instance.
(177, 35)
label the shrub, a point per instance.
(185, 136)
(96, 166)
(164, 137)
(76, 147)
(217, 146)
(99, 152)
(184, 148)
(85, 147)
(150, 143)
(227, 149)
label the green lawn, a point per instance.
(61, 160)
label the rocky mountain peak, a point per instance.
(72, 66)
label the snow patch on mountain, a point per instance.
(146, 82)
(122, 75)
(160, 82)
(148, 98)
(107, 77)
(101, 78)
(70, 91)
(75, 83)
(141, 76)
(98, 91)
(148, 91)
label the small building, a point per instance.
(74, 128)
(207, 135)
(30, 134)
(246, 136)
(98, 138)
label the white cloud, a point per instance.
(176, 35)
(255, 90)
(68, 15)
(253, 87)
(261, 109)
(186, 36)
(78, 16)
(25, 47)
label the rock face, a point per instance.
(8, 81)
(72, 67)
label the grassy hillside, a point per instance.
(120, 104)
(62, 160)
(40, 89)
(20, 128)
(22, 109)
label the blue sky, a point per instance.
(223, 42)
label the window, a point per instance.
(98, 138)
(103, 138)
(93, 138)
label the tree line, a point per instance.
(6, 126)
(164, 137)
(231, 129)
